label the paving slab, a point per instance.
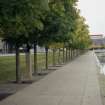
(74, 84)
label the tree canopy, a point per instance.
(55, 23)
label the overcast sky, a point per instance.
(93, 11)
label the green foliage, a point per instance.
(81, 39)
(49, 23)
(56, 21)
(18, 18)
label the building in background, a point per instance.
(98, 41)
(6, 47)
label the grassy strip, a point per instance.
(7, 65)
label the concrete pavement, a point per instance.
(74, 84)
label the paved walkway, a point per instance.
(74, 84)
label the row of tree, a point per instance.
(47, 23)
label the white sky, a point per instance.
(93, 11)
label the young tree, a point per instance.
(17, 20)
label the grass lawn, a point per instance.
(7, 65)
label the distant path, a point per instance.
(74, 84)
(13, 54)
(7, 55)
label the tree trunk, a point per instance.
(66, 55)
(59, 55)
(18, 79)
(10, 48)
(6, 48)
(28, 63)
(63, 55)
(54, 57)
(35, 58)
(46, 51)
(77, 52)
(69, 53)
(72, 53)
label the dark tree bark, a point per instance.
(35, 58)
(6, 47)
(63, 55)
(46, 51)
(69, 53)
(28, 63)
(72, 53)
(54, 57)
(66, 55)
(76, 52)
(59, 55)
(18, 76)
(10, 48)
